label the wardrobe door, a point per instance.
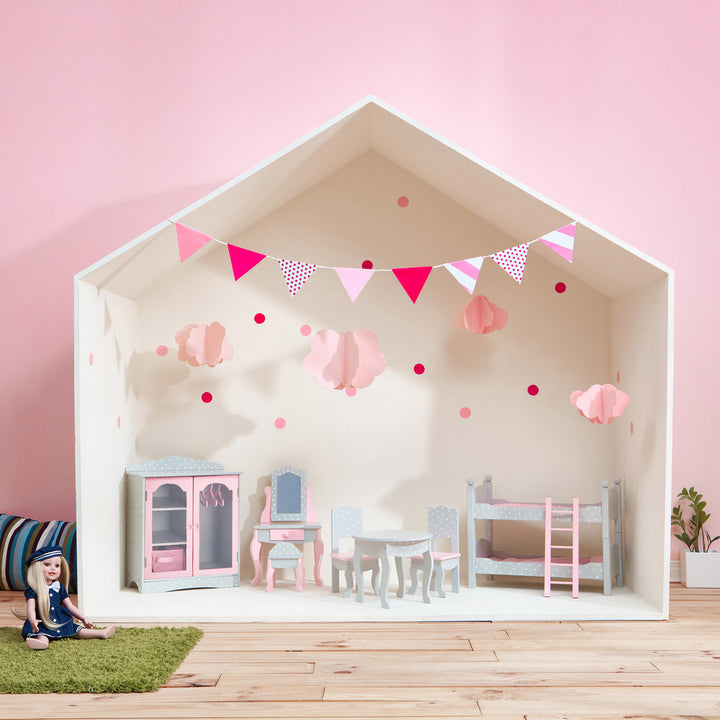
(215, 525)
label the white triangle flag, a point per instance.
(562, 241)
(466, 272)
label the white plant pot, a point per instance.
(700, 570)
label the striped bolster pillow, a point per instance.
(19, 537)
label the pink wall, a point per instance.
(114, 115)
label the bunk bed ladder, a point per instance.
(562, 513)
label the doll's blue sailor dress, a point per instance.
(58, 614)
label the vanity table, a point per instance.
(288, 517)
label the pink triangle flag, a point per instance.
(354, 280)
(296, 273)
(412, 279)
(189, 241)
(562, 241)
(243, 260)
(466, 272)
(513, 260)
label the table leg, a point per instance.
(357, 566)
(384, 576)
(319, 549)
(255, 553)
(401, 576)
(427, 573)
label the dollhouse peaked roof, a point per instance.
(603, 262)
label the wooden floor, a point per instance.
(430, 670)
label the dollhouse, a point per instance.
(309, 313)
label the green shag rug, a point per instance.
(132, 660)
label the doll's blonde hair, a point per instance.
(36, 580)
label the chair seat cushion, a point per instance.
(438, 556)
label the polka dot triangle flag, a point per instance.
(512, 260)
(296, 273)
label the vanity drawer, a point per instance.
(289, 535)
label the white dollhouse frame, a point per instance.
(330, 199)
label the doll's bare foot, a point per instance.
(37, 643)
(107, 632)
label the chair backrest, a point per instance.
(444, 522)
(345, 522)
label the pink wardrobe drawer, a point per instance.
(291, 535)
(169, 560)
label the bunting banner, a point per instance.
(466, 272)
(243, 260)
(353, 280)
(412, 279)
(296, 274)
(190, 241)
(562, 241)
(513, 260)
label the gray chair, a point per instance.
(345, 522)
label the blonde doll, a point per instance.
(49, 613)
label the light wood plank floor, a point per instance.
(578, 670)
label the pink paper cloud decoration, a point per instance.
(600, 403)
(482, 316)
(344, 360)
(203, 344)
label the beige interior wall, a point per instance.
(106, 342)
(399, 445)
(640, 352)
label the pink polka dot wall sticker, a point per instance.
(402, 201)
(465, 412)
(560, 288)
(367, 265)
(259, 318)
(91, 359)
(161, 350)
(305, 330)
(419, 369)
(280, 423)
(351, 391)
(533, 390)
(206, 397)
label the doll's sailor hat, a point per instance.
(44, 553)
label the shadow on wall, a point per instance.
(36, 316)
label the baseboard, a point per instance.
(674, 571)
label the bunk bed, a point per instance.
(485, 558)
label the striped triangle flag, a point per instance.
(354, 280)
(296, 273)
(466, 272)
(243, 260)
(562, 241)
(513, 260)
(412, 279)
(189, 241)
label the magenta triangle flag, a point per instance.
(189, 241)
(561, 241)
(243, 260)
(354, 280)
(513, 260)
(412, 279)
(296, 273)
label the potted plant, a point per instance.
(699, 564)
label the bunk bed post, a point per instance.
(618, 532)
(606, 540)
(488, 493)
(471, 532)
